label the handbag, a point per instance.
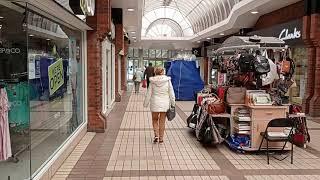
(246, 63)
(171, 113)
(215, 105)
(261, 65)
(236, 95)
(134, 77)
(144, 83)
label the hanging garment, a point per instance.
(5, 143)
(19, 104)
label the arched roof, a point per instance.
(192, 15)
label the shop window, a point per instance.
(14, 90)
(136, 53)
(130, 52)
(42, 76)
(145, 53)
(152, 53)
(158, 53)
(164, 53)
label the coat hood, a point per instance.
(159, 80)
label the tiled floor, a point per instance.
(126, 151)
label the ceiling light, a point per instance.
(1, 17)
(135, 41)
(48, 39)
(133, 32)
(134, 37)
(130, 9)
(198, 41)
(0, 26)
(254, 12)
(31, 35)
(208, 38)
(221, 34)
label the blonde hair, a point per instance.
(159, 71)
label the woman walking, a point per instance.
(160, 96)
(137, 78)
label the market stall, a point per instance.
(251, 94)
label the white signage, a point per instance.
(10, 50)
(289, 35)
(88, 7)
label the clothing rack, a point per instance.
(15, 152)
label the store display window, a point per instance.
(41, 88)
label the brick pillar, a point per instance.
(309, 90)
(206, 69)
(100, 23)
(119, 44)
(124, 66)
(314, 109)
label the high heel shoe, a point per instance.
(155, 140)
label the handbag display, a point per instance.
(236, 95)
(215, 105)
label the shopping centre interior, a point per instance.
(74, 86)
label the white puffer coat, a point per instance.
(160, 94)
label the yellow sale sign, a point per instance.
(55, 73)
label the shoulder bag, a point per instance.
(171, 112)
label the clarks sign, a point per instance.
(288, 34)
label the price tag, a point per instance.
(55, 73)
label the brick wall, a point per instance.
(314, 107)
(101, 26)
(119, 45)
(292, 12)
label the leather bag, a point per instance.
(236, 95)
(261, 65)
(215, 106)
(246, 63)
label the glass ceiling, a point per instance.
(181, 18)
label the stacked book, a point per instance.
(242, 121)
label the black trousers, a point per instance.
(148, 82)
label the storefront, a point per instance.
(291, 33)
(42, 86)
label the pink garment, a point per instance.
(5, 143)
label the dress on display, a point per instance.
(5, 143)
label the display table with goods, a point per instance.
(250, 107)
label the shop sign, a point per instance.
(287, 34)
(196, 52)
(55, 73)
(10, 50)
(290, 32)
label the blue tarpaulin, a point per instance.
(186, 80)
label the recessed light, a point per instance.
(1, 17)
(48, 39)
(31, 35)
(254, 12)
(130, 9)
(208, 38)
(134, 37)
(198, 41)
(221, 34)
(133, 32)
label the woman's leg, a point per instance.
(162, 124)
(135, 86)
(155, 123)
